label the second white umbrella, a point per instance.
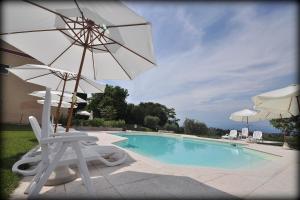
(56, 95)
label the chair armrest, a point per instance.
(68, 139)
(68, 134)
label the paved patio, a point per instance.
(143, 177)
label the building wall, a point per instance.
(16, 104)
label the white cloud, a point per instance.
(222, 77)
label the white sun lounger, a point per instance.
(245, 133)
(257, 137)
(232, 135)
(109, 155)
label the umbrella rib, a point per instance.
(108, 43)
(65, 50)
(16, 52)
(93, 59)
(40, 30)
(83, 91)
(96, 36)
(38, 76)
(98, 49)
(297, 97)
(79, 9)
(72, 30)
(58, 84)
(61, 15)
(62, 53)
(91, 83)
(128, 49)
(126, 25)
(69, 36)
(115, 59)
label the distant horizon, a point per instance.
(213, 57)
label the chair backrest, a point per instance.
(257, 135)
(245, 132)
(35, 127)
(233, 133)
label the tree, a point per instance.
(171, 127)
(108, 112)
(151, 121)
(287, 126)
(192, 126)
(113, 99)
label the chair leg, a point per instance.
(84, 172)
(44, 176)
(41, 168)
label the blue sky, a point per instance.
(213, 57)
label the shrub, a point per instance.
(114, 123)
(216, 132)
(138, 128)
(76, 122)
(192, 126)
(96, 122)
(171, 127)
(151, 121)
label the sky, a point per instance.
(213, 57)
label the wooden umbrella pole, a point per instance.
(59, 104)
(78, 78)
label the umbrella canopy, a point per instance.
(268, 115)
(55, 95)
(284, 100)
(55, 103)
(85, 113)
(244, 115)
(84, 34)
(55, 78)
(117, 41)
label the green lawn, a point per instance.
(14, 144)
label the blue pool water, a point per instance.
(185, 151)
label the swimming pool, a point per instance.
(196, 152)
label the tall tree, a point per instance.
(112, 100)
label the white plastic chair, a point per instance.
(257, 136)
(91, 152)
(232, 135)
(245, 133)
(53, 157)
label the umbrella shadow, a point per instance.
(121, 182)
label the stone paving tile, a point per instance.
(143, 189)
(185, 187)
(284, 185)
(127, 177)
(236, 185)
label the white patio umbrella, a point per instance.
(284, 100)
(56, 79)
(91, 115)
(84, 113)
(107, 38)
(55, 95)
(268, 115)
(55, 103)
(244, 115)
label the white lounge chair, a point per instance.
(55, 151)
(232, 135)
(245, 133)
(109, 155)
(257, 137)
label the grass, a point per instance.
(15, 143)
